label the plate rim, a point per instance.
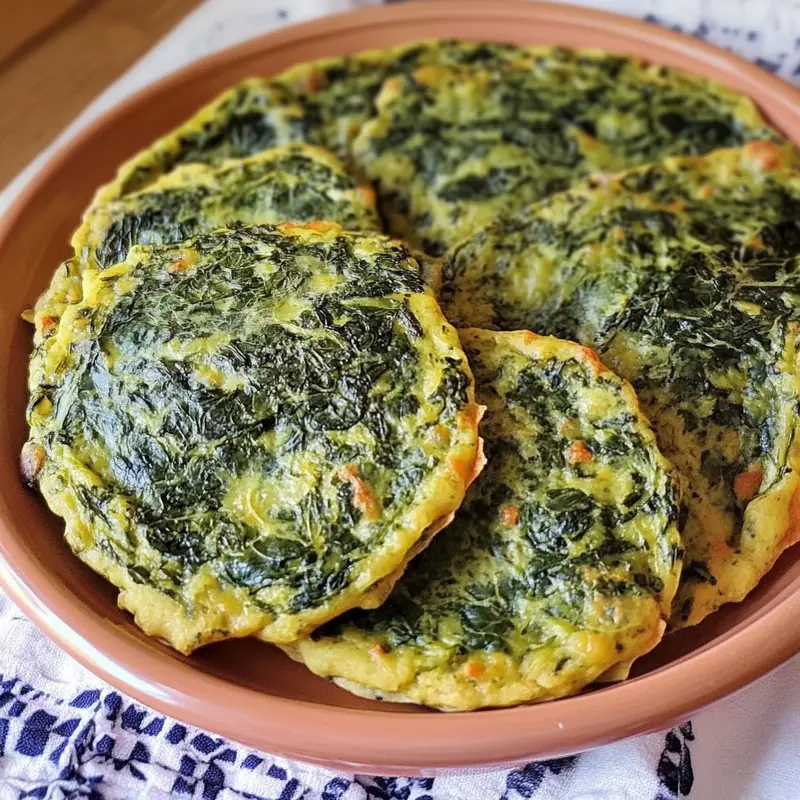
(385, 741)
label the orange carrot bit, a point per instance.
(367, 194)
(755, 243)
(313, 82)
(578, 453)
(766, 154)
(676, 206)
(363, 498)
(182, 263)
(377, 651)
(719, 547)
(592, 357)
(509, 515)
(746, 484)
(47, 325)
(472, 669)
(706, 191)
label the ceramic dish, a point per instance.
(246, 690)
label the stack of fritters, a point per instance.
(254, 416)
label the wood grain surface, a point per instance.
(57, 55)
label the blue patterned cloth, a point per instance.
(75, 740)
(65, 735)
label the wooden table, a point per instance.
(57, 55)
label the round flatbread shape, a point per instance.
(686, 278)
(561, 564)
(293, 183)
(246, 431)
(451, 147)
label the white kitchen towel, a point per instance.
(65, 735)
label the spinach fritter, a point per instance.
(686, 278)
(245, 431)
(294, 183)
(252, 116)
(321, 102)
(561, 563)
(452, 147)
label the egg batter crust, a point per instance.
(246, 431)
(451, 147)
(561, 563)
(685, 278)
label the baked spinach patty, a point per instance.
(246, 431)
(452, 147)
(321, 102)
(685, 276)
(293, 183)
(560, 564)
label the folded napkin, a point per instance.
(64, 734)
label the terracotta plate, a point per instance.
(245, 690)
